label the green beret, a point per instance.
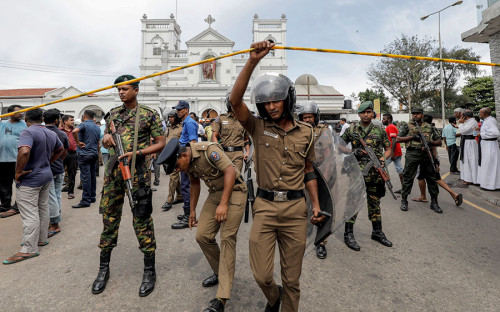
(123, 78)
(364, 106)
(417, 110)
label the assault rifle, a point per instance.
(428, 151)
(250, 189)
(123, 163)
(375, 163)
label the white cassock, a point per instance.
(489, 171)
(469, 159)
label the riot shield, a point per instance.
(247, 173)
(341, 186)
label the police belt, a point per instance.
(279, 196)
(232, 148)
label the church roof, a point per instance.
(209, 37)
(38, 92)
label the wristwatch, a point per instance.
(140, 152)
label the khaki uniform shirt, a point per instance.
(231, 132)
(173, 132)
(208, 163)
(280, 156)
(318, 130)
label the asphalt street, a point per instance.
(439, 262)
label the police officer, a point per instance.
(375, 137)
(149, 123)
(308, 111)
(232, 136)
(284, 156)
(222, 211)
(416, 156)
(174, 130)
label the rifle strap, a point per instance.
(134, 148)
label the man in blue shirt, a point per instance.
(189, 134)
(449, 135)
(87, 136)
(10, 131)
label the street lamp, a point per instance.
(441, 54)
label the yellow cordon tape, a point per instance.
(407, 57)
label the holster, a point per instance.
(143, 196)
(379, 189)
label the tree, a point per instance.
(480, 91)
(419, 81)
(370, 95)
(406, 80)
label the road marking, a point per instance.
(472, 204)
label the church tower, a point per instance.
(273, 30)
(157, 36)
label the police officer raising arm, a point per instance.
(284, 156)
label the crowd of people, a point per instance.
(42, 153)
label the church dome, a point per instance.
(302, 80)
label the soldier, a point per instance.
(149, 125)
(284, 156)
(174, 130)
(416, 155)
(376, 138)
(223, 209)
(233, 137)
(309, 112)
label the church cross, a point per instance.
(209, 20)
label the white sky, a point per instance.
(103, 37)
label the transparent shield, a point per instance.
(341, 186)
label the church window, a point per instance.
(156, 51)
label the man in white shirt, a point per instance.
(344, 124)
(489, 153)
(469, 153)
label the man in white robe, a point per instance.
(469, 148)
(489, 168)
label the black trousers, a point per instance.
(453, 154)
(71, 164)
(8, 172)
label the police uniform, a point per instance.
(174, 186)
(280, 211)
(232, 138)
(376, 138)
(114, 187)
(208, 163)
(416, 157)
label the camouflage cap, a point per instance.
(417, 110)
(123, 78)
(364, 106)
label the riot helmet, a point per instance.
(172, 113)
(273, 87)
(308, 107)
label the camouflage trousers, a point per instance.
(111, 208)
(373, 209)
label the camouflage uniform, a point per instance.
(416, 157)
(174, 185)
(231, 134)
(114, 187)
(375, 137)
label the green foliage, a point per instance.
(480, 92)
(370, 95)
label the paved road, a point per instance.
(446, 262)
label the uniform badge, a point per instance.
(216, 119)
(272, 135)
(225, 122)
(215, 156)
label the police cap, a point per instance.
(169, 155)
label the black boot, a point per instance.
(276, 306)
(215, 306)
(435, 206)
(166, 206)
(210, 281)
(103, 275)
(349, 237)
(404, 204)
(149, 277)
(321, 252)
(378, 235)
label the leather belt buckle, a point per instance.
(280, 196)
(230, 149)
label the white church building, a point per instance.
(204, 86)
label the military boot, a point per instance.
(404, 204)
(276, 306)
(378, 235)
(149, 277)
(435, 206)
(103, 275)
(349, 237)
